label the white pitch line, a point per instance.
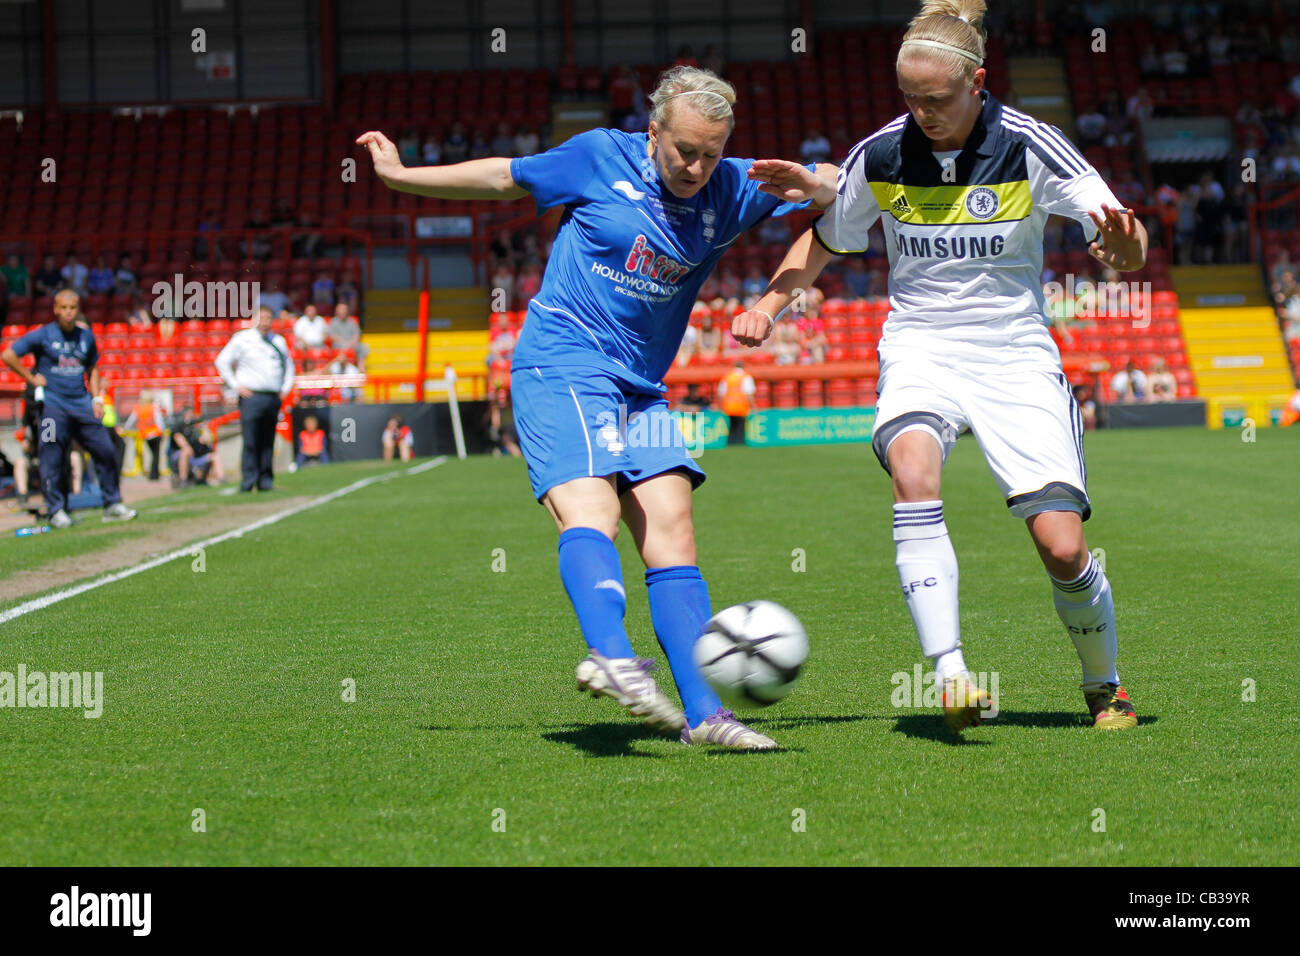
(40, 603)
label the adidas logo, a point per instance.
(900, 204)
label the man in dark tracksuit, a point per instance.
(65, 354)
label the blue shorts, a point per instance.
(579, 422)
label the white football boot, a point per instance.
(724, 730)
(628, 681)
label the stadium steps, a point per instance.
(1240, 362)
(1044, 90)
(1218, 286)
(458, 337)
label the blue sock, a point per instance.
(679, 609)
(593, 576)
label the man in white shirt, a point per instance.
(311, 329)
(256, 364)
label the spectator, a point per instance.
(306, 244)
(125, 279)
(310, 330)
(65, 355)
(347, 293)
(75, 275)
(147, 420)
(812, 327)
(274, 298)
(1281, 266)
(455, 148)
(311, 444)
(1092, 127)
(139, 319)
(503, 143)
(711, 60)
(1164, 388)
(709, 348)
(816, 148)
(100, 279)
(736, 393)
(345, 334)
(775, 231)
(1209, 215)
(345, 364)
(503, 286)
(624, 93)
(398, 440)
(409, 147)
(259, 247)
(256, 364)
(4, 299)
(322, 291)
(48, 279)
(1150, 63)
(526, 141)
(193, 458)
(729, 283)
(685, 56)
(432, 151)
(1083, 397)
(501, 425)
(841, 143)
(857, 278)
(528, 283)
(785, 341)
(754, 283)
(1129, 384)
(694, 401)
(480, 148)
(283, 217)
(16, 277)
(1140, 105)
(206, 242)
(690, 338)
(1127, 189)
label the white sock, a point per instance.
(927, 570)
(1087, 610)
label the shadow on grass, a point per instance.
(930, 726)
(604, 740)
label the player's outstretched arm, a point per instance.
(794, 183)
(798, 270)
(475, 179)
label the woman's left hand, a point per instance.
(1120, 243)
(790, 182)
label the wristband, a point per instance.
(771, 322)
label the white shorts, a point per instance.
(1022, 413)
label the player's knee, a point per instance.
(915, 478)
(1065, 558)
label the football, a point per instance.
(751, 654)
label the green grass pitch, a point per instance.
(468, 743)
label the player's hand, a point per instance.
(789, 181)
(97, 407)
(1119, 247)
(383, 153)
(38, 380)
(244, 392)
(752, 327)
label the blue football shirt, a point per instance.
(629, 256)
(65, 359)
